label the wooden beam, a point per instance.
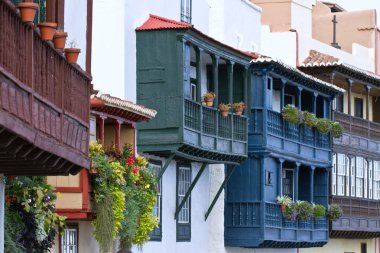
(187, 195)
(166, 165)
(227, 178)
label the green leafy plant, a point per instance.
(319, 211)
(292, 114)
(336, 129)
(291, 211)
(31, 218)
(305, 210)
(310, 119)
(334, 212)
(224, 107)
(323, 126)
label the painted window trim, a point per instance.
(69, 226)
(156, 233)
(186, 238)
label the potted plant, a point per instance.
(292, 114)
(238, 108)
(72, 53)
(284, 201)
(28, 11)
(209, 97)
(336, 129)
(47, 30)
(305, 210)
(224, 108)
(318, 211)
(334, 212)
(291, 211)
(323, 126)
(59, 39)
(309, 119)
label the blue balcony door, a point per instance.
(288, 183)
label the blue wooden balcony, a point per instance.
(269, 130)
(244, 227)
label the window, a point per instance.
(363, 247)
(376, 179)
(156, 233)
(339, 103)
(184, 215)
(287, 183)
(193, 81)
(268, 177)
(69, 239)
(289, 100)
(92, 129)
(359, 107)
(186, 11)
(333, 176)
(352, 164)
(341, 175)
(370, 179)
(359, 176)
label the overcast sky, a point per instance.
(351, 5)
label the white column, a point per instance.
(2, 207)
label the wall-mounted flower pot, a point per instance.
(72, 54)
(209, 101)
(59, 40)
(27, 11)
(47, 30)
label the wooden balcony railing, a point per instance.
(302, 134)
(39, 86)
(358, 126)
(209, 120)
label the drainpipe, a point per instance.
(297, 47)
(2, 210)
(377, 61)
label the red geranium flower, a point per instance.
(135, 170)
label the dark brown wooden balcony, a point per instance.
(44, 103)
(358, 126)
(361, 218)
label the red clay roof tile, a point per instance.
(157, 23)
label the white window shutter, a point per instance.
(352, 165)
(365, 167)
(370, 180)
(347, 176)
(333, 178)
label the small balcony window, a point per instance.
(288, 183)
(359, 107)
(184, 215)
(69, 241)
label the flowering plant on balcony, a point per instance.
(310, 119)
(318, 211)
(30, 221)
(209, 97)
(334, 212)
(305, 210)
(323, 126)
(124, 193)
(336, 130)
(224, 108)
(238, 107)
(292, 114)
(291, 211)
(284, 201)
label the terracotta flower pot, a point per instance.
(47, 30)
(72, 54)
(59, 40)
(224, 113)
(238, 112)
(27, 11)
(209, 101)
(282, 207)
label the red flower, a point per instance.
(135, 170)
(14, 198)
(131, 160)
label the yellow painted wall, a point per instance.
(342, 245)
(69, 201)
(126, 135)
(362, 96)
(64, 181)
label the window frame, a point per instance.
(341, 174)
(283, 184)
(156, 233)
(69, 226)
(358, 113)
(186, 11)
(183, 226)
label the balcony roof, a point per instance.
(160, 23)
(122, 108)
(308, 78)
(317, 60)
